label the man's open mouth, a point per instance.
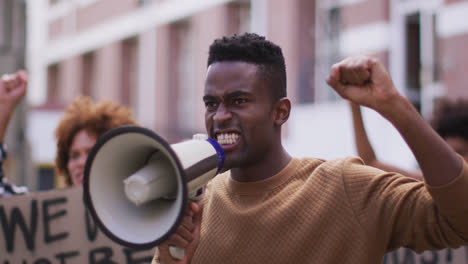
(227, 138)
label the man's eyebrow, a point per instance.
(209, 98)
(227, 96)
(237, 94)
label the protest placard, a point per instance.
(54, 227)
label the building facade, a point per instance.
(151, 55)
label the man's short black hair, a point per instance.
(255, 49)
(451, 118)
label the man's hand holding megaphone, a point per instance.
(187, 237)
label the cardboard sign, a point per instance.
(54, 227)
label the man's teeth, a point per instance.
(227, 139)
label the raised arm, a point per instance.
(12, 90)
(365, 150)
(364, 81)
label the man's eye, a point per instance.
(210, 105)
(239, 101)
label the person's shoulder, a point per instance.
(337, 167)
(336, 163)
(353, 169)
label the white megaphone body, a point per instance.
(137, 186)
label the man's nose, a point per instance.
(222, 114)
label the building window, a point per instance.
(328, 51)
(182, 89)
(88, 70)
(435, 50)
(54, 2)
(52, 83)
(306, 48)
(416, 61)
(46, 178)
(129, 70)
(186, 80)
(6, 25)
(413, 59)
(239, 12)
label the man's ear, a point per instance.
(281, 111)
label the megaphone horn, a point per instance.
(136, 185)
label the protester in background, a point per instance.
(12, 90)
(81, 125)
(450, 121)
(273, 208)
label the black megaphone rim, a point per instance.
(87, 194)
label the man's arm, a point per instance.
(403, 212)
(364, 81)
(365, 150)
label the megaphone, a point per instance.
(137, 186)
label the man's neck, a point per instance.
(265, 169)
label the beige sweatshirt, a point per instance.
(338, 211)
